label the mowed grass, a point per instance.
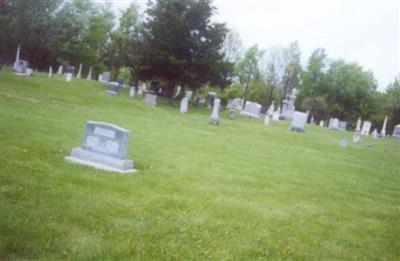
(238, 191)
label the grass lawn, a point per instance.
(238, 191)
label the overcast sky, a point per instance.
(366, 32)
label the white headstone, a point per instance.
(321, 123)
(132, 91)
(150, 99)
(79, 72)
(60, 70)
(375, 134)
(266, 119)
(366, 127)
(275, 115)
(50, 72)
(89, 76)
(299, 120)
(334, 124)
(68, 77)
(358, 127)
(214, 119)
(383, 131)
(16, 62)
(184, 105)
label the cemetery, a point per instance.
(195, 184)
(129, 134)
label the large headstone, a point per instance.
(104, 147)
(299, 120)
(321, 123)
(396, 132)
(150, 99)
(113, 88)
(366, 128)
(334, 124)
(214, 119)
(288, 107)
(251, 109)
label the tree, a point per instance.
(272, 69)
(392, 103)
(247, 70)
(292, 69)
(30, 24)
(119, 49)
(179, 44)
(349, 88)
(83, 29)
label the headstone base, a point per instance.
(213, 121)
(98, 161)
(297, 129)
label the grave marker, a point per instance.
(104, 146)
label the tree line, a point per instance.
(177, 43)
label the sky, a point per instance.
(366, 32)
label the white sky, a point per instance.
(366, 32)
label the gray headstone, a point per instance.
(113, 88)
(104, 146)
(150, 99)
(342, 125)
(343, 143)
(214, 119)
(251, 109)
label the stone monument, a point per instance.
(113, 88)
(383, 131)
(396, 132)
(214, 119)
(89, 76)
(104, 147)
(366, 128)
(299, 120)
(251, 110)
(60, 70)
(50, 72)
(288, 107)
(69, 72)
(357, 132)
(150, 99)
(79, 75)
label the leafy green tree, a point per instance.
(292, 69)
(391, 103)
(247, 70)
(30, 24)
(350, 88)
(179, 44)
(82, 31)
(119, 49)
(233, 47)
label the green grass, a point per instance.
(239, 191)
